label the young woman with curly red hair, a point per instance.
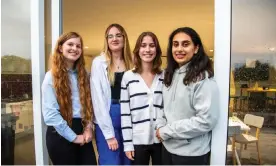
(67, 106)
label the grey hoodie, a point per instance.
(190, 114)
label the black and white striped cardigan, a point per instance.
(140, 107)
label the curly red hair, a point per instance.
(62, 82)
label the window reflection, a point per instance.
(17, 142)
(253, 83)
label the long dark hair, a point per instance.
(199, 64)
(157, 62)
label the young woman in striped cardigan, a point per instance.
(141, 102)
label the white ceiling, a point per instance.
(253, 23)
(91, 17)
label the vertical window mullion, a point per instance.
(222, 76)
(38, 72)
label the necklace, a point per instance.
(117, 65)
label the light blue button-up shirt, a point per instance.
(50, 107)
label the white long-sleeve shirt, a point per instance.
(140, 107)
(101, 95)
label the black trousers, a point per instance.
(143, 153)
(63, 152)
(172, 159)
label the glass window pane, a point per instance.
(17, 142)
(48, 36)
(48, 33)
(253, 81)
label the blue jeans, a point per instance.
(107, 156)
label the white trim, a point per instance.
(56, 18)
(222, 75)
(38, 71)
(1, 51)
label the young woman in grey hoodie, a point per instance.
(190, 99)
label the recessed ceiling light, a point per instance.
(272, 49)
(86, 47)
(211, 50)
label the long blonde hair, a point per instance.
(127, 57)
(62, 82)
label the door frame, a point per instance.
(222, 54)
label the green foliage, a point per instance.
(12, 64)
(259, 73)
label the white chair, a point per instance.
(244, 139)
(233, 131)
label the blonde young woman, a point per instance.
(106, 74)
(66, 105)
